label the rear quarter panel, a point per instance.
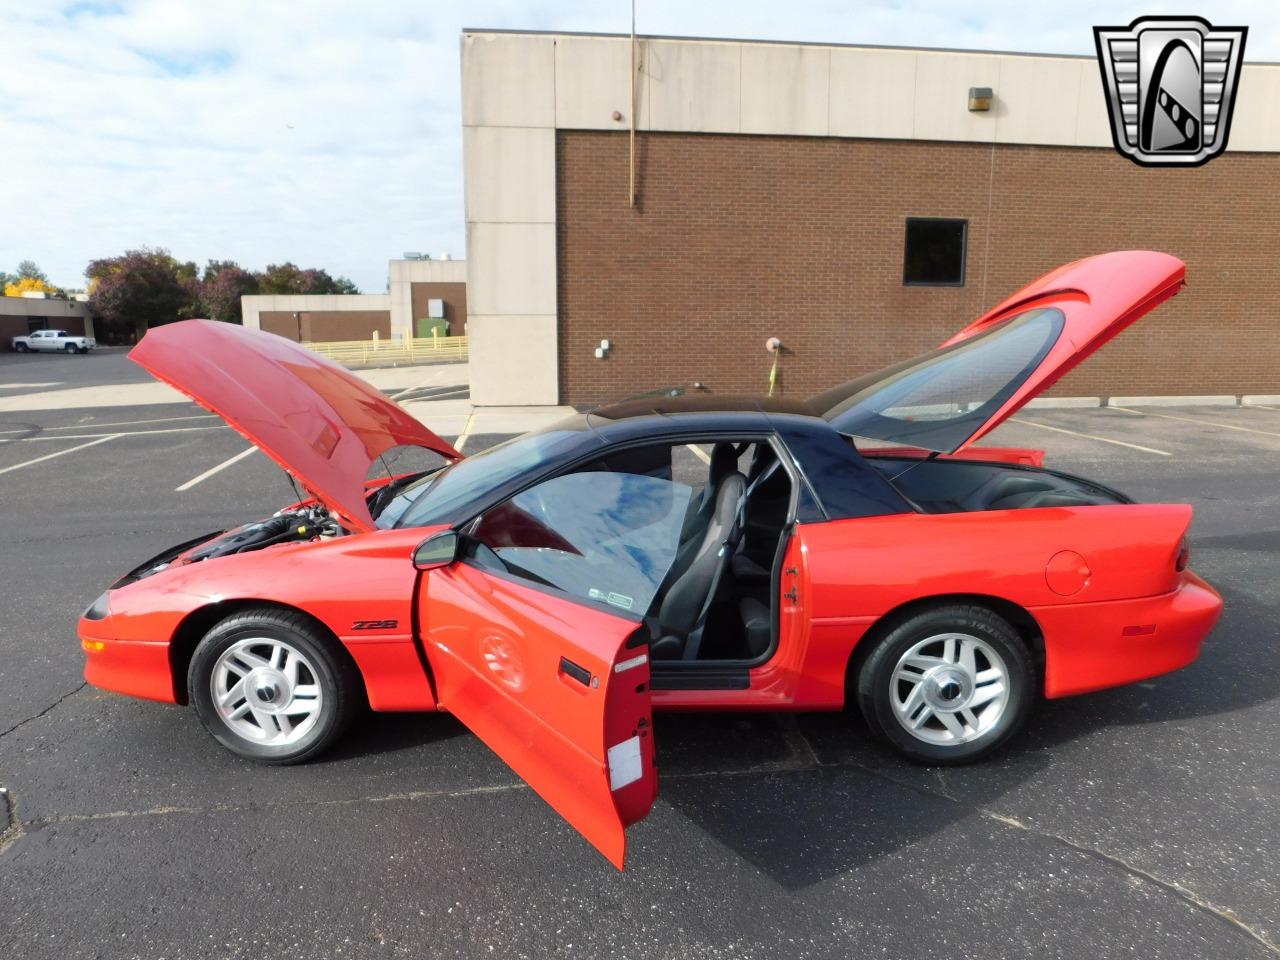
(857, 571)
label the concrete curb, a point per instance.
(1190, 401)
(1063, 403)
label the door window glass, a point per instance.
(601, 535)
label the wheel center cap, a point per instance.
(948, 689)
(269, 689)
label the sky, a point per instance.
(329, 133)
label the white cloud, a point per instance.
(327, 133)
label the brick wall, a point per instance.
(42, 315)
(322, 326)
(739, 238)
(454, 296)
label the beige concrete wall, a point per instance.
(54, 311)
(402, 274)
(517, 89)
(252, 307)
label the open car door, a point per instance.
(557, 688)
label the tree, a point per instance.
(290, 278)
(221, 288)
(141, 289)
(27, 269)
(26, 284)
(28, 278)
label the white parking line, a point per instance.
(1206, 423)
(23, 386)
(50, 456)
(1090, 436)
(212, 470)
(466, 432)
(130, 423)
(116, 433)
(699, 452)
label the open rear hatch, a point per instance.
(321, 423)
(945, 400)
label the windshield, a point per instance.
(443, 496)
(939, 399)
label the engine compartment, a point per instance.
(294, 524)
(304, 522)
(966, 486)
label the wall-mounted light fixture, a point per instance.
(980, 98)
(602, 351)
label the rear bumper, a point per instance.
(133, 667)
(1092, 646)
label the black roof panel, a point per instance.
(667, 405)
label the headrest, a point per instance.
(723, 460)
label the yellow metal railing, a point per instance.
(363, 353)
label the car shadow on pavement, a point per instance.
(372, 734)
(799, 802)
(811, 797)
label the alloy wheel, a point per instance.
(266, 691)
(950, 688)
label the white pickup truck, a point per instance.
(53, 341)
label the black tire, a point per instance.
(70, 348)
(21, 348)
(332, 672)
(877, 690)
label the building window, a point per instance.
(934, 252)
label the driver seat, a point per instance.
(686, 601)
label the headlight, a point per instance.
(99, 609)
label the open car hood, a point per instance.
(321, 423)
(948, 398)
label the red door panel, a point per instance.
(553, 689)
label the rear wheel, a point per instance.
(269, 685)
(948, 685)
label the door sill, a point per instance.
(699, 677)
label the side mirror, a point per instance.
(438, 550)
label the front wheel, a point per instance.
(70, 348)
(271, 686)
(21, 348)
(947, 686)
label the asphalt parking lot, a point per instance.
(1139, 822)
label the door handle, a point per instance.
(570, 669)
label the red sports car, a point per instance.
(675, 553)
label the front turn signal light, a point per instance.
(93, 646)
